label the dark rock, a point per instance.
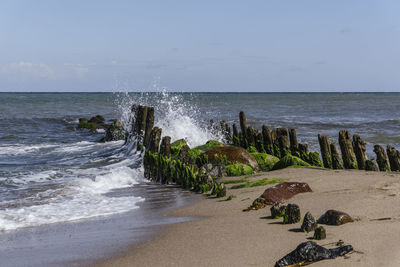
(231, 154)
(334, 217)
(309, 252)
(277, 210)
(219, 190)
(309, 223)
(115, 132)
(319, 233)
(371, 165)
(284, 191)
(213, 170)
(292, 214)
(98, 119)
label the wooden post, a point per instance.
(236, 139)
(149, 125)
(337, 162)
(359, 146)
(325, 146)
(267, 139)
(243, 124)
(283, 141)
(259, 142)
(251, 132)
(394, 158)
(229, 137)
(140, 125)
(346, 145)
(294, 144)
(381, 158)
(165, 148)
(155, 138)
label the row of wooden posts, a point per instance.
(278, 142)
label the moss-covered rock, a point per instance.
(238, 169)
(290, 161)
(265, 161)
(251, 149)
(231, 155)
(177, 146)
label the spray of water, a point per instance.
(176, 114)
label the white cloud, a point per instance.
(29, 69)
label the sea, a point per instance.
(55, 175)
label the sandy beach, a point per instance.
(224, 235)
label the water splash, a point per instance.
(176, 114)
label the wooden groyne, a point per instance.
(173, 161)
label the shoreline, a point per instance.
(227, 236)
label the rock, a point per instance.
(238, 169)
(334, 217)
(284, 191)
(371, 165)
(97, 119)
(219, 190)
(309, 223)
(231, 154)
(257, 204)
(309, 252)
(277, 210)
(292, 214)
(288, 161)
(213, 170)
(319, 233)
(265, 161)
(176, 146)
(115, 132)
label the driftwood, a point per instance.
(381, 158)
(346, 145)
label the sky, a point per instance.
(249, 46)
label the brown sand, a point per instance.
(226, 236)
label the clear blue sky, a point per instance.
(255, 45)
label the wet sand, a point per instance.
(227, 236)
(81, 243)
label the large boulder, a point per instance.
(265, 161)
(284, 191)
(231, 154)
(309, 252)
(335, 217)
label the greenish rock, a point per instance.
(319, 233)
(219, 190)
(230, 197)
(88, 125)
(177, 146)
(265, 161)
(210, 144)
(277, 211)
(290, 161)
(238, 169)
(292, 214)
(309, 223)
(314, 159)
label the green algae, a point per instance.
(260, 182)
(235, 181)
(251, 149)
(289, 161)
(265, 161)
(238, 169)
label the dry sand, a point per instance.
(227, 236)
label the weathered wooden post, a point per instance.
(337, 162)
(268, 144)
(359, 147)
(394, 158)
(381, 158)
(251, 133)
(228, 132)
(236, 139)
(149, 125)
(243, 123)
(140, 125)
(259, 142)
(346, 145)
(165, 147)
(325, 146)
(371, 165)
(294, 144)
(283, 141)
(155, 138)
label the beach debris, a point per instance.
(309, 252)
(359, 146)
(325, 146)
(319, 233)
(346, 145)
(292, 214)
(277, 210)
(335, 217)
(284, 191)
(381, 158)
(371, 165)
(394, 158)
(337, 162)
(309, 223)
